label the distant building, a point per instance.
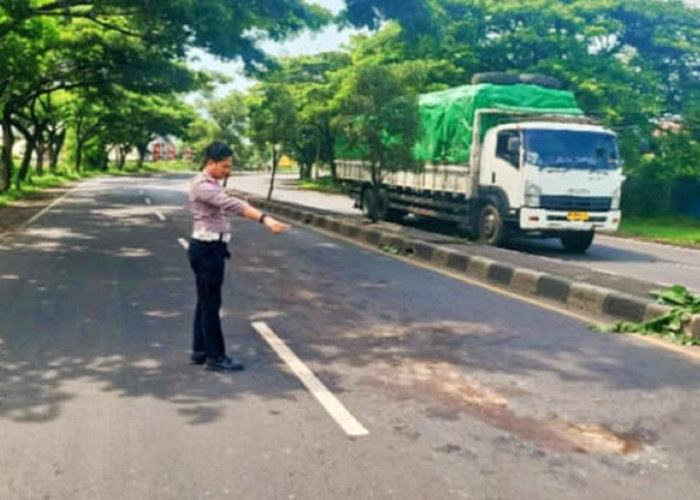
(163, 149)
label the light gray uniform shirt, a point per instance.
(210, 205)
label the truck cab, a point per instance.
(553, 179)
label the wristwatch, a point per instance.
(261, 220)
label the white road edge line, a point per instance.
(330, 403)
(183, 243)
(160, 215)
(53, 204)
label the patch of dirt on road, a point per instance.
(448, 384)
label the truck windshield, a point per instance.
(571, 149)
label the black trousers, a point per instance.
(207, 260)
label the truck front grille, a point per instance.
(589, 204)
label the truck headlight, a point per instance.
(532, 195)
(615, 202)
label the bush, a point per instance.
(646, 196)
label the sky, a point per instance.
(330, 38)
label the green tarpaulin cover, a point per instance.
(447, 116)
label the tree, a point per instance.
(137, 45)
(313, 82)
(273, 122)
(231, 115)
(139, 119)
(378, 118)
(416, 15)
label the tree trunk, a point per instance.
(331, 154)
(40, 150)
(316, 166)
(55, 147)
(6, 165)
(304, 171)
(78, 154)
(30, 139)
(122, 151)
(26, 160)
(56, 138)
(105, 160)
(142, 155)
(274, 171)
(79, 144)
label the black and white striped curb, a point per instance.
(574, 294)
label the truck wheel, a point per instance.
(489, 226)
(369, 204)
(394, 215)
(577, 241)
(384, 210)
(382, 204)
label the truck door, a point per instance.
(501, 165)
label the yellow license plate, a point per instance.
(577, 216)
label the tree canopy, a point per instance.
(633, 64)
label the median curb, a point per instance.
(570, 293)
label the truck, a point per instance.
(501, 160)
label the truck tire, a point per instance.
(394, 215)
(577, 241)
(542, 80)
(382, 204)
(490, 228)
(370, 204)
(502, 78)
(495, 77)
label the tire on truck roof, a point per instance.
(495, 77)
(503, 78)
(542, 80)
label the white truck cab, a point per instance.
(555, 177)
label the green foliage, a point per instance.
(229, 124)
(273, 118)
(312, 82)
(628, 62)
(106, 48)
(325, 184)
(676, 229)
(202, 132)
(274, 122)
(683, 305)
(378, 117)
(416, 15)
(390, 249)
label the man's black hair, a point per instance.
(217, 151)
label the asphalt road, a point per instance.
(462, 393)
(653, 262)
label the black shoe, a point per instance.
(224, 364)
(198, 358)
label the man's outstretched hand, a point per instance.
(274, 225)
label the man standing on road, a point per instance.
(210, 205)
